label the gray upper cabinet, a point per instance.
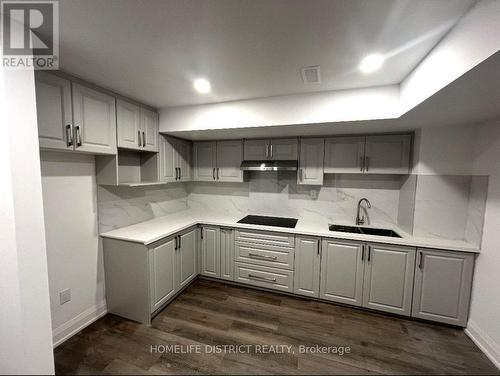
(443, 281)
(311, 161)
(227, 253)
(272, 149)
(256, 150)
(175, 159)
(205, 160)
(162, 273)
(128, 125)
(94, 120)
(307, 266)
(388, 154)
(54, 112)
(342, 266)
(229, 156)
(149, 130)
(210, 251)
(283, 149)
(137, 128)
(388, 279)
(344, 155)
(218, 161)
(382, 154)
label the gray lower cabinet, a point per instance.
(388, 278)
(141, 279)
(307, 266)
(227, 253)
(443, 281)
(342, 267)
(373, 276)
(210, 251)
(163, 273)
(186, 258)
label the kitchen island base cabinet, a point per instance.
(307, 266)
(388, 278)
(443, 281)
(141, 279)
(342, 267)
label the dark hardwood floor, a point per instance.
(212, 313)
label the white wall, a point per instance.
(73, 252)
(333, 106)
(25, 326)
(484, 320)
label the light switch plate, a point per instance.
(64, 296)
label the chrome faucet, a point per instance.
(361, 220)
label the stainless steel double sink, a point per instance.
(365, 230)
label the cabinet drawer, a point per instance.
(266, 237)
(267, 255)
(264, 276)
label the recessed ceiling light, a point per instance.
(202, 86)
(371, 63)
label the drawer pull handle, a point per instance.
(261, 257)
(263, 279)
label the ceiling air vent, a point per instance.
(311, 75)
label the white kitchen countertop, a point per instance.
(155, 229)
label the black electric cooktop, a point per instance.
(269, 221)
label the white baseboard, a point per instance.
(487, 345)
(76, 324)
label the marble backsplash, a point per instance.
(124, 206)
(450, 207)
(277, 193)
(436, 206)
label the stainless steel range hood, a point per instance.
(269, 166)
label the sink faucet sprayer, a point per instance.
(361, 220)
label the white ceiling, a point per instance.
(151, 50)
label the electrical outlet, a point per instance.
(313, 193)
(64, 296)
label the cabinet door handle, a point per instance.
(78, 136)
(139, 138)
(420, 261)
(143, 139)
(271, 147)
(217, 173)
(367, 160)
(180, 242)
(262, 257)
(69, 135)
(213, 172)
(369, 253)
(300, 175)
(180, 173)
(177, 173)
(267, 151)
(319, 246)
(263, 279)
(176, 244)
(361, 166)
(201, 232)
(363, 253)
